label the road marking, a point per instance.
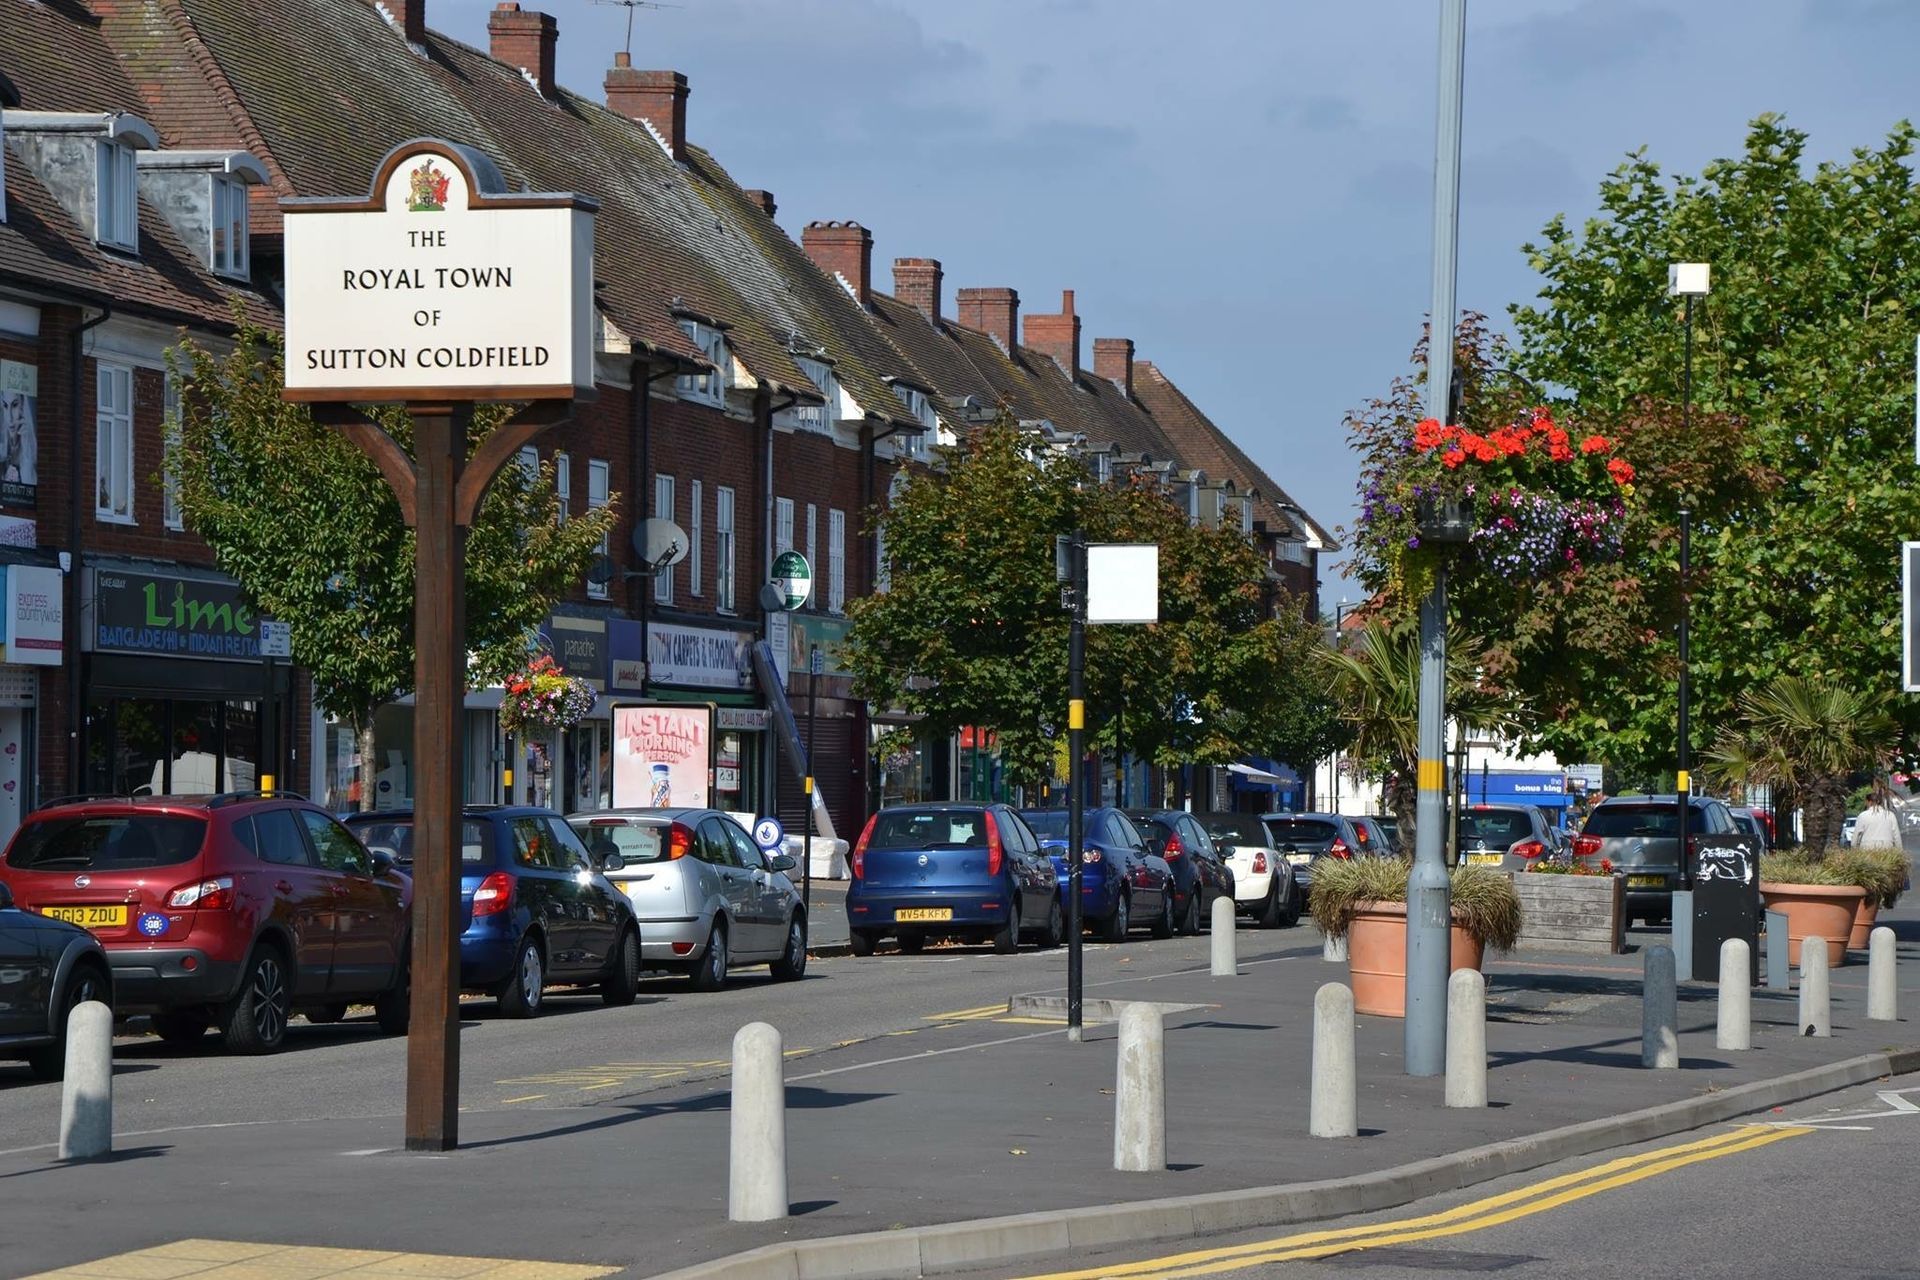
(529, 1097)
(1896, 1104)
(1488, 1212)
(968, 1015)
(184, 1259)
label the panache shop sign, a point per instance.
(177, 617)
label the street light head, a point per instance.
(1689, 279)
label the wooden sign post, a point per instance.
(438, 290)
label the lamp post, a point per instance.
(1687, 281)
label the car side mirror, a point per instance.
(6, 896)
(783, 862)
(382, 859)
(611, 861)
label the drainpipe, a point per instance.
(76, 360)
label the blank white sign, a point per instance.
(1123, 582)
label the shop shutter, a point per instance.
(839, 770)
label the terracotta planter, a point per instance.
(1864, 917)
(1377, 958)
(1815, 910)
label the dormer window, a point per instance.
(818, 417)
(229, 227)
(918, 405)
(1103, 466)
(203, 197)
(708, 388)
(116, 197)
(1246, 517)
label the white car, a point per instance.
(1263, 885)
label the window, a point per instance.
(277, 838)
(170, 513)
(116, 208)
(1246, 516)
(921, 408)
(563, 482)
(818, 417)
(663, 510)
(334, 845)
(1103, 466)
(712, 846)
(597, 492)
(813, 521)
(534, 846)
(229, 227)
(113, 456)
(836, 560)
(530, 463)
(708, 387)
(782, 525)
(723, 548)
(3, 171)
(696, 499)
(882, 561)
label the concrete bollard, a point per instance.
(1466, 1039)
(86, 1094)
(1660, 1012)
(1816, 1012)
(1224, 938)
(757, 1157)
(1734, 1029)
(1332, 948)
(1335, 1108)
(1139, 1093)
(1883, 995)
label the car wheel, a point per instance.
(180, 1028)
(393, 1008)
(326, 1014)
(711, 973)
(1270, 907)
(912, 944)
(1290, 914)
(1055, 931)
(1006, 939)
(1120, 921)
(792, 964)
(526, 987)
(1192, 926)
(860, 942)
(623, 973)
(49, 1061)
(1163, 926)
(255, 1020)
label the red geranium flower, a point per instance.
(1595, 444)
(1453, 458)
(1621, 470)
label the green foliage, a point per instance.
(1799, 867)
(972, 631)
(1484, 901)
(1883, 873)
(309, 528)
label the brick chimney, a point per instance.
(657, 98)
(916, 281)
(1058, 336)
(763, 200)
(522, 38)
(1113, 360)
(992, 311)
(413, 21)
(843, 249)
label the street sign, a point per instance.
(793, 579)
(1909, 616)
(276, 639)
(1123, 582)
(816, 662)
(770, 835)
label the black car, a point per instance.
(1200, 873)
(47, 968)
(536, 909)
(1304, 839)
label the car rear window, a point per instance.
(633, 841)
(1048, 824)
(1235, 829)
(387, 833)
(1300, 830)
(939, 829)
(1632, 820)
(117, 842)
(1495, 826)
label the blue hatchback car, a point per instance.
(971, 871)
(1121, 883)
(536, 909)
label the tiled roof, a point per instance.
(59, 60)
(1207, 447)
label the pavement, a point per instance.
(981, 1114)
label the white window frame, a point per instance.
(599, 487)
(116, 192)
(227, 247)
(171, 516)
(530, 463)
(723, 549)
(917, 404)
(1103, 466)
(836, 560)
(113, 443)
(813, 525)
(663, 509)
(783, 525)
(820, 417)
(1246, 516)
(696, 499)
(563, 483)
(3, 172)
(706, 388)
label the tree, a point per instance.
(1798, 465)
(1809, 738)
(308, 527)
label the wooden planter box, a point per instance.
(1572, 913)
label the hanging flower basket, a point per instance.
(544, 699)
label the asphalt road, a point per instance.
(1821, 1188)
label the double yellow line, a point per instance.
(1491, 1212)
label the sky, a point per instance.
(1243, 187)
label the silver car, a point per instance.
(1513, 837)
(707, 898)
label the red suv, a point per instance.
(234, 911)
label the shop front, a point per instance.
(33, 643)
(685, 663)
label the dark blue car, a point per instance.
(1121, 883)
(969, 871)
(535, 909)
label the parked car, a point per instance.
(1749, 825)
(1846, 830)
(1373, 837)
(1263, 884)
(535, 910)
(233, 911)
(48, 968)
(1765, 817)
(1122, 884)
(969, 871)
(1512, 837)
(1304, 839)
(1391, 826)
(1639, 835)
(1200, 873)
(706, 897)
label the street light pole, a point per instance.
(1689, 280)
(1076, 788)
(1429, 891)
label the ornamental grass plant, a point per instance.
(1883, 873)
(1484, 901)
(1798, 867)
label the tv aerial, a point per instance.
(630, 6)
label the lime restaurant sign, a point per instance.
(440, 283)
(176, 617)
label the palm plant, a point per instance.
(1807, 736)
(1376, 693)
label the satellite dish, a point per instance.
(600, 572)
(660, 543)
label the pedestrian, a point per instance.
(1877, 828)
